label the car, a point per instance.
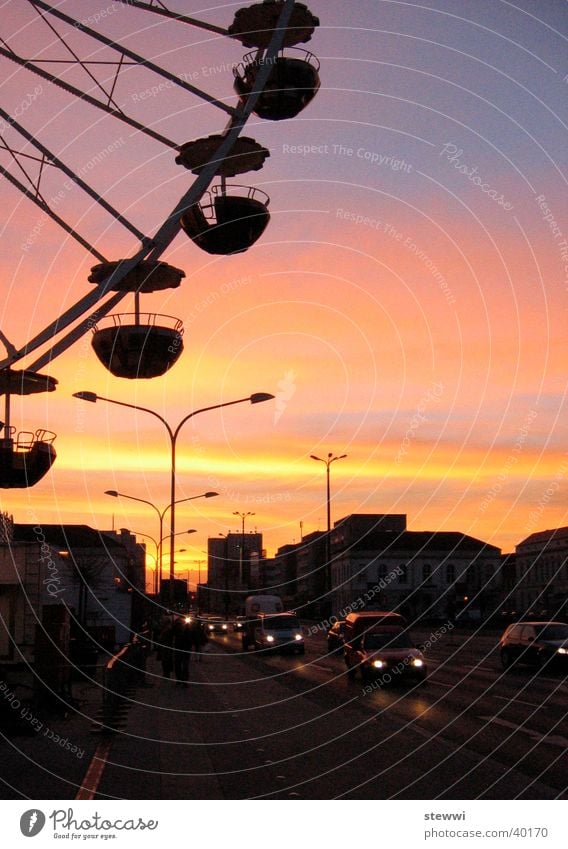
(357, 624)
(386, 653)
(538, 643)
(239, 623)
(336, 636)
(279, 632)
(216, 625)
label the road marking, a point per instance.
(515, 701)
(95, 771)
(553, 739)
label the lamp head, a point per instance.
(259, 397)
(112, 492)
(210, 494)
(86, 396)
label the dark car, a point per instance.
(336, 636)
(239, 623)
(535, 643)
(216, 625)
(386, 653)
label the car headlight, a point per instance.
(269, 638)
(417, 662)
(378, 664)
(562, 651)
(297, 636)
(210, 627)
(224, 627)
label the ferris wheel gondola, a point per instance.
(293, 80)
(229, 218)
(138, 345)
(25, 456)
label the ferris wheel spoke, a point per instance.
(11, 349)
(124, 51)
(115, 112)
(78, 310)
(48, 157)
(52, 214)
(74, 335)
(76, 59)
(162, 10)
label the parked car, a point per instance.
(535, 643)
(279, 632)
(336, 636)
(387, 653)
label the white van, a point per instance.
(280, 632)
(254, 606)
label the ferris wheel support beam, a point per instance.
(82, 95)
(124, 51)
(52, 159)
(174, 16)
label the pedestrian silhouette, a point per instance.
(165, 647)
(198, 638)
(182, 647)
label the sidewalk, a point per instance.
(44, 752)
(158, 753)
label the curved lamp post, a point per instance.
(158, 557)
(160, 514)
(328, 461)
(92, 397)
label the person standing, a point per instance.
(198, 638)
(181, 647)
(165, 647)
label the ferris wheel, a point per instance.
(275, 81)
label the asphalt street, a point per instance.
(280, 726)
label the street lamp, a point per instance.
(241, 564)
(160, 514)
(157, 557)
(328, 461)
(92, 397)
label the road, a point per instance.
(255, 726)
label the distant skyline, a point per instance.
(406, 304)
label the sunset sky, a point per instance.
(406, 304)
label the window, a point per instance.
(426, 573)
(382, 570)
(403, 575)
(450, 573)
(528, 633)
